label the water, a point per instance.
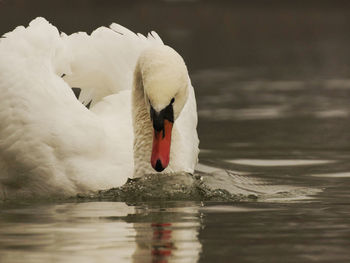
(273, 89)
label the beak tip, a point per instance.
(159, 167)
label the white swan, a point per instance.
(142, 102)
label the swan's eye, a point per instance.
(172, 101)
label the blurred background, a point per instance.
(309, 37)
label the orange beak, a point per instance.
(161, 147)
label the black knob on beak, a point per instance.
(159, 167)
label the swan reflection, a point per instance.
(100, 231)
(170, 234)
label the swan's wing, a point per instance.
(50, 143)
(103, 63)
(43, 128)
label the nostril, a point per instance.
(159, 167)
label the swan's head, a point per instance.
(165, 81)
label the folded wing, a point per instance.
(50, 143)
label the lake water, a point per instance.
(273, 91)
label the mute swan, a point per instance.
(142, 117)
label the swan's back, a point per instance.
(50, 143)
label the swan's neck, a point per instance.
(142, 128)
(143, 132)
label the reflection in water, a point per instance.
(99, 232)
(334, 175)
(73, 232)
(256, 162)
(241, 114)
(170, 236)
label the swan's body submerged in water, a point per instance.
(142, 117)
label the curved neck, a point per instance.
(143, 130)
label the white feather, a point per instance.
(50, 143)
